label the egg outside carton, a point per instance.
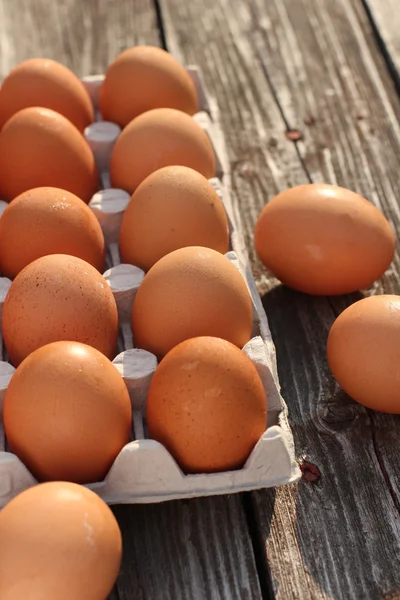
(144, 471)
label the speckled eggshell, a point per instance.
(59, 297)
(143, 78)
(323, 239)
(191, 292)
(58, 541)
(67, 413)
(159, 138)
(48, 221)
(207, 405)
(172, 208)
(363, 352)
(47, 83)
(39, 147)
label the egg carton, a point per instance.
(144, 471)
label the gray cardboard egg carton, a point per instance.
(144, 470)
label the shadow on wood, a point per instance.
(196, 549)
(329, 527)
(259, 537)
(310, 319)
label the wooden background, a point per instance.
(308, 91)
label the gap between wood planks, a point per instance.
(381, 462)
(390, 63)
(258, 543)
(248, 501)
(160, 24)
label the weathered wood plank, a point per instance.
(197, 550)
(339, 531)
(338, 536)
(85, 36)
(385, 19)
(194, 550)
(337, 75)
(324, 63)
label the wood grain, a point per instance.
(323, 61)
(335, 535)
(338, 530)
(195, 550)
(84, 35)
(275, 66)
(181, 550)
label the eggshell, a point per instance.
(59, 297)
(58, 541)
(159, 138)
(47, 83)
(191, 292)
(67, 413)
(48, 221)
(172, 208)
(143, 78)
(325, 240)
(363, 352)
(39, 147)
(207, 405)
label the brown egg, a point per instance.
(191, 292)
(325, 240)
(143, 78)
(363, 352)
(172, 208)
(159, 138)
(58, 541)
(207, 405)
(47, 83)
(48, 221)
(39, 147)
(67, 413)
(59, 297)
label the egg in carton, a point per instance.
(144, 471)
